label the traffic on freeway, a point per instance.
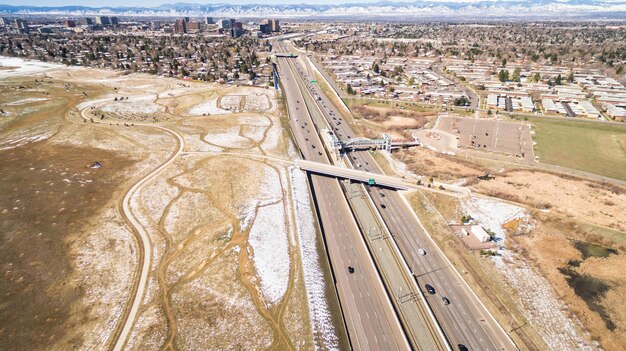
(369, 317)
(465, 320)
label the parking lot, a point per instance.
(490, 135)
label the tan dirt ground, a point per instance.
(204, 291)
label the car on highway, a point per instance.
(445, 300)
(462, 347)
(381, 194)
(350, 269)
(383, 206)
(422, 252)
(430, 289)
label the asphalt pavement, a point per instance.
(465, 321)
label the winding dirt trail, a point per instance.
(145, 246)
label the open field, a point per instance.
(589, 146)
(491, 135)
(232, 254)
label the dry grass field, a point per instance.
(226, 237)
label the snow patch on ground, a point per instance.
(537, 300)
(231, 102)
(319, 312)
(270, 191)
(228, 139)
(19, 141)
(141, 104)
(254, 127)
(257, 102)
(492, 214)
(20, 67)
(268, 238)
(273, 137)
(207, 108)
(26, 101)
(541, 305)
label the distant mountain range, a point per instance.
(476, 9)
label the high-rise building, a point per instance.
(193, 27)
(209, 20)
(180, 27)
(85, 21)
(103, 20)
(114, 21)
(265, 28)
(275, 25)
(21, 25)
(155, 25)
(226, 24)
(69, 23)
(237, 32)
(5, 21)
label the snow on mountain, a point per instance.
(428, 8)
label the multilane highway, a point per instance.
(368, 314)
(465, 321)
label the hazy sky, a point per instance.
(153, 3)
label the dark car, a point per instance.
(445, 300)
(462, 347)
(383, 206)
(350, 269)
(430, 289)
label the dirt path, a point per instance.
(145, 252)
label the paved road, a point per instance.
(354, 174)
(145, 248)
(465, 321)
(369, 316)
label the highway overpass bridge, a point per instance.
(356, 175)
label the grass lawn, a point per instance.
(588, 146)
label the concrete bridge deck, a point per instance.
(353, 174)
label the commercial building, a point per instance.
(103, 20)
(226, 24)
(265, 28)
(85, 21)
(480, 234)
(209, 20)
(21, 26)
(193, 27)
(275, 25)
(180, 26)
